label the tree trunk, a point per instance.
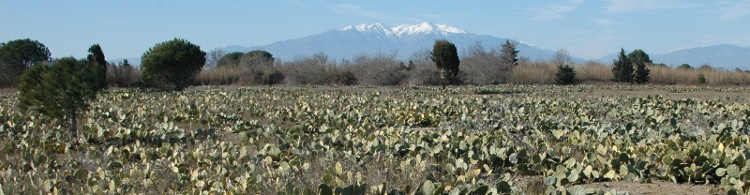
(73, 125)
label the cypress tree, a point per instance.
(642, 73)
(97, 62)
(445, 56)
(509, 54)
(622, 68)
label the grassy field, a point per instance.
(514, 139)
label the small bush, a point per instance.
(565, 75)
(272, 77)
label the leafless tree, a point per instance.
(213, 57)
(379, 69)
(562, 57)
(481, 67)
(305, 70)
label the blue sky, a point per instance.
(586, 28)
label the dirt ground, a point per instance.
(656, 187)
(534, 185)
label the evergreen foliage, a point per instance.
(445, 56)
(639, 56)
(61, 89)
(172, 64)
(565, 75)
(622, 68)
(642, 73)
(509, 54)
(17, 55)
(230, 59)
(96, 59)
(272, 77)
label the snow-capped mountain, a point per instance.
(368, 39)
(407, 29)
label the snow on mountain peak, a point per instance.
(407, 29)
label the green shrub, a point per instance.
(565, 75)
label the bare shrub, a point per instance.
(123, 75)
(482, 67)
(304, 70)
(422, 70)
(379, 69)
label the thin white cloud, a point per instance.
(554, 11)
(734, 10)
(638, 5)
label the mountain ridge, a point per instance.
(722, 56)
(406, 39)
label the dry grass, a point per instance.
(593, 72)
(223, 75)
(533, 73)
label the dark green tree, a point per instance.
(230, 59)
(445, 56)
(61, 89)
(97, 61)
(509, 54)
(642, 73)
(639, 56)
(622, 68)
(17, 55)
(565, 74)
(172, 64)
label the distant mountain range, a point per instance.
(368, 39)
(726, 56)
(350, 41)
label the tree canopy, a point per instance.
(172, 64)
(639, 56)
(445, 56)
(230, 59)
(17, 55)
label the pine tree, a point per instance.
(61, 89)
(622, 68)
(565, 75)
(642, 73)
(172, 64)
(445, 56)
(639, 55)
(18, 55)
